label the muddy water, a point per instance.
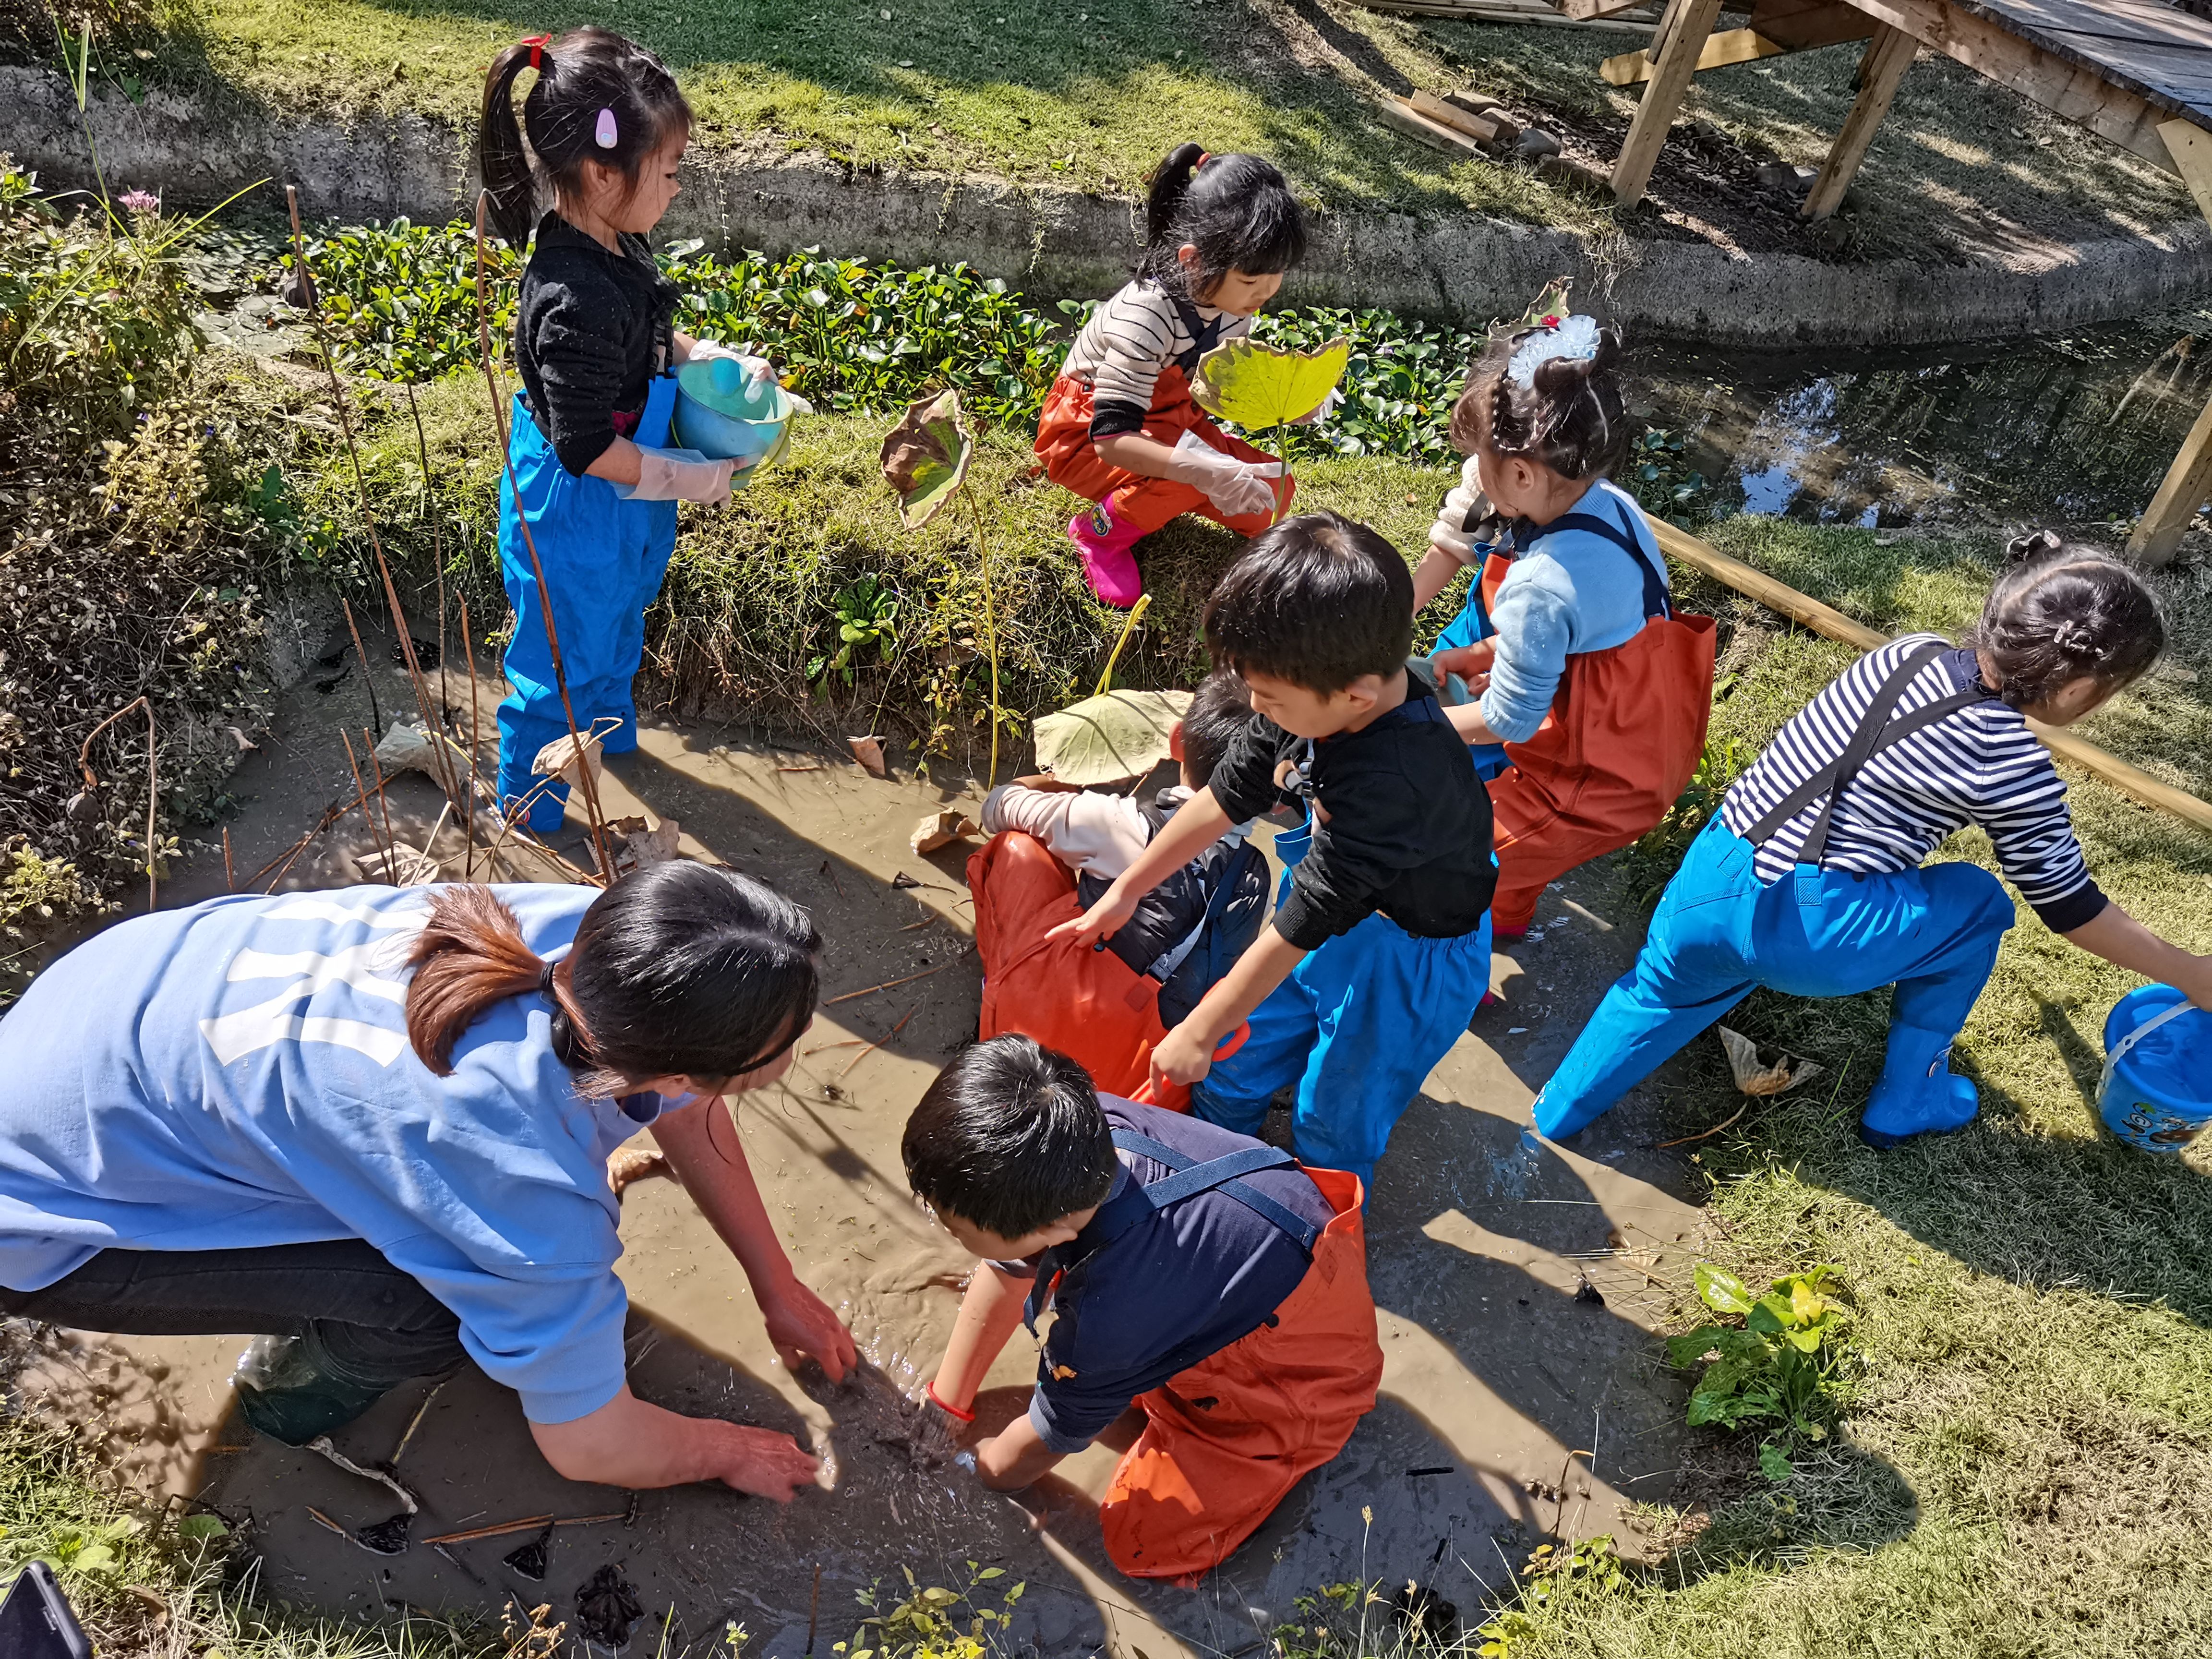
(1517, 1283)
(2078, 428)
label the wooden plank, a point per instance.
(1724, 48)
(2191, 147)
(1686, 26)
(2186, 486)
(1826, 620)
(1505, 13)
(1483, 129)
(2147, 46)
(1409, 121)
(2076, 91)
(1887, 58)
(1584, 10)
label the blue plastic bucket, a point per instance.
(2156, 1093)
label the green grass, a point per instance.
(1092, 98)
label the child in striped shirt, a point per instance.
(1118, 426)
(1810, 880)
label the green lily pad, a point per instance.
(1122, 734)
(1259, 385)
(926, 457)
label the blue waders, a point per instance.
(1358, 1025)
(1719, 933)
(604, 559)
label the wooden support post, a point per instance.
(1684, 28)
(2188, 484)
(1887, 58)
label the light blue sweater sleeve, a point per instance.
(1571, 593)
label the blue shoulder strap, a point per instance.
(1654, 581)
(1138, 1202)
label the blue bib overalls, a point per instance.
(604, 559)
(1719, 931)
(1358, 1025)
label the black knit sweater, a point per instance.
(591, 329)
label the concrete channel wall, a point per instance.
(1055, 242)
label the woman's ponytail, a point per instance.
(1170, 184)
(500, 155)
(470, 955)
(681, 970)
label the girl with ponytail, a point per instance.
(1588, 694)
(371, 1126)
(1809, 881)
(1119, 427)
(593, 473)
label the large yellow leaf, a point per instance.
(1259, 385)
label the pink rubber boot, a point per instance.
(1105, 542)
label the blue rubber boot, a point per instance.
(1916, 1094)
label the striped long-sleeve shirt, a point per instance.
(1979, 765)
(1130, 339)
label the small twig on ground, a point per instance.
(829, 871)
(802, 768)
(924, 922)
(824, 1048)
(229, 875)
(413, 1424)
(882, 1040)
(375, 714)
(391, 840)
(153, 797)
(322, 1520)
(361, 792)
(528, 1522)
(893, 984)
(1706, 1134)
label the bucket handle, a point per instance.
(2137, 1035)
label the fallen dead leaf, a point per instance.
(942, 828)
(869, 752)
(1754, 1077)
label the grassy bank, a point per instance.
(1091, 99)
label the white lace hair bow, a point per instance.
(1575, 337)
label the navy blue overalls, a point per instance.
(1358, 1025)
(1719, 931)
(604, 558)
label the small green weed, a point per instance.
(933, 1623)
(867, 615)
(1777, 1367)
(1663, 482)
(1551, 1574)
(402, 297)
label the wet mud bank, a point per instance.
(1055, 242)
(1519, 1285)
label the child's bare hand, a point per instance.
(1100, 921)
(1467, 661)
(1183, 1056)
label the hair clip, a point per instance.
(1575, 338)
(537, 43)
(1203, 156)
(603, 133)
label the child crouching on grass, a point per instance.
(1209, 1281)
(1379, 950)
(1809, 879)
(1053, 848)
(1596, 689)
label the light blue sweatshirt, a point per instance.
(1571, 592)
(238, 1074)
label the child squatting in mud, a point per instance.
(1210, 1283)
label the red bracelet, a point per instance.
(938, 1400)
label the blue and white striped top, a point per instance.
(1978, 765)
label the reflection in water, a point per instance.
(2080, 428)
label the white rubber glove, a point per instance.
(1236, 487)
(677, 475)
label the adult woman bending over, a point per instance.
(372, 1125)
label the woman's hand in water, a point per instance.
(800, 1324)
(766, 1464)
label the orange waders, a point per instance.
(1089, 1004)
(1063, 442)
(1627, 730)
(1227, 1439)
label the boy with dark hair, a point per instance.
(1055, 847)
(1380, 947)
(1204, 1278)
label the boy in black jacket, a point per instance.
(1379, 949)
